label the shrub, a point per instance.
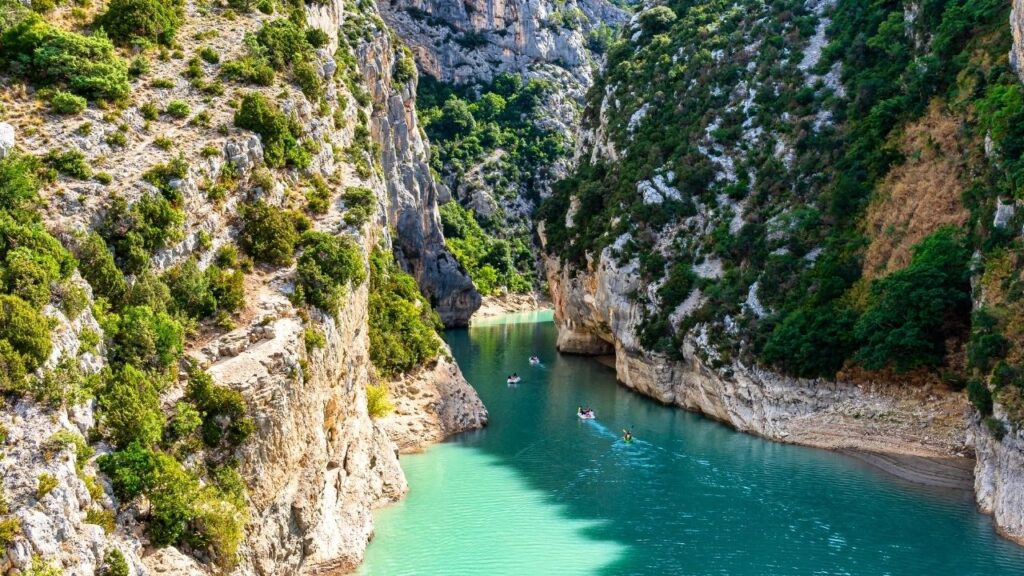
(46, 482)
(279, 136)
(130, 408)
(360, 204)
(114, 564)
(102, 518)
(144, 338)
(210, 55)
(185, 421)
(283, 42)
(19, 185)
(9, 529)
(224, 410)
(85, 65)
(378, 404)
(129, 21)
(133, 232)
(65, 385)
(201, 294)
(249, 69)
(308, 78)
(913, 311)
(318, 196)
(657, 19)
(97, 266)
(178, 109)
(327, 266)
(69, 162)
(314, 339)
(980, 396)
(63, 439)
(402, 325)
(67, 103)
(405, 67)
(26, 331)
(268, 234)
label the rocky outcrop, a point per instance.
(412, 193)
(999, 479)
(1017, 26)
(477, 40)
(432, 403)
(595, 315)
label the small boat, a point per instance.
(534, 360)
(589, 415)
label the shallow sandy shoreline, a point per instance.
(494, 306)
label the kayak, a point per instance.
(586, 415)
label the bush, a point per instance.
(224, 410)
(209, 55)
(360, 204)
(136, 231)
(980, 396)
(46, 482)
(326, 268)
(405, 67)
(144, 338)
(97, 266)
(19, 185)
(102, 518)
(85, 65)
(9, 529)
(25, 331)
(308, 78)
(67, 103)
(130, 408)
(283, 42)
(178, 109)
(268, 234)
(129, 21)
(114, 564)
(69, 162)
(657, 19)
(913, 311)
(378, 404)
(402, 325)
(279, 136)
(249, 69)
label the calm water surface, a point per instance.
(540, 492)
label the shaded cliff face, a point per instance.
(412, 192)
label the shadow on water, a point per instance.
(691, 496)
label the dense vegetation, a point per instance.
(745, 176)
(487, 142)
(403, 326)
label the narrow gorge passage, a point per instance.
(539, 492)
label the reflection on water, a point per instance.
(541, 492)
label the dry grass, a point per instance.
(920, 195)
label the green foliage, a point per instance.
(492, 263)
(136, 231)
(204, 293)
(45, 484)
(69, 162)
(249, 69)
(314, 339)
(130, 408)
(41, 567)
(980, 396)
(64, 439)
(328, 265)
(62, 102)
(26, 334)
(913, 311)
(65, 385)
(139, 21)
(657, 19)
(360, 204)
(114, 564)
(223, 410)
(279, 135)
(97, 266)
(19, 185)
(102, 518)
(9, 529)
(178, 109)
(378, 404)
(209, 55)
(403, 327)
(405, 67)
(45, 54)
(308, 79)
(268, 234)
(140, 337)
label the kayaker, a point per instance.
(627, 435)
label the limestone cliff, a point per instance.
(317, 464)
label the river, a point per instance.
(540, 492)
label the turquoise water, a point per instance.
(540, 492)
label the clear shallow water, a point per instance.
(540, 492)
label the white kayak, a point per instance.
(586, 415)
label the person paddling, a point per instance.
(627, 435)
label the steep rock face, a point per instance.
(318, 463)
(999, 479)
(412, 192)
(477, 40)
(1017, 26)
(595, 315)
